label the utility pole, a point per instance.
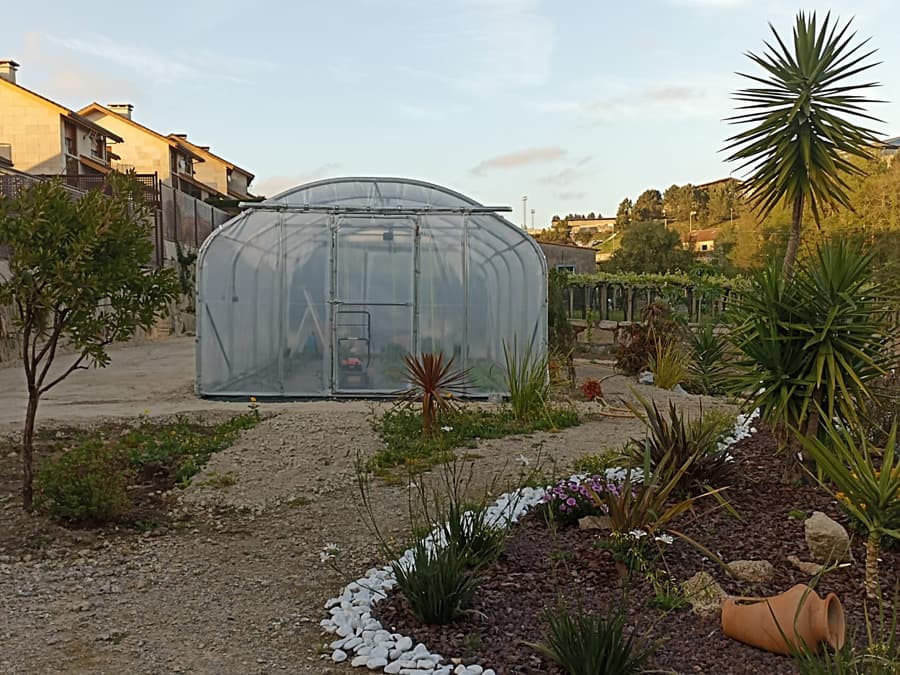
(524, 212)
(532, 219)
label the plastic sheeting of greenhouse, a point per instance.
(324, 289)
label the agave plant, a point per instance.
(434, 383)
(801, 142)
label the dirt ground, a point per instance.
(238, 586)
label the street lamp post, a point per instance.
(532, 219)
(524, 211)
(691, 221)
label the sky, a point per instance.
(575, 104)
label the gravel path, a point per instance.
(240, 587)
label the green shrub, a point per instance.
(469, 530)
(86, 484)
(599, 463)
(587, 644)
(439, 586)
(708, 353)
(637, 343)
(677, 444)
(884, 409)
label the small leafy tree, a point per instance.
(77, 277)
(803, 110)
(651, 248)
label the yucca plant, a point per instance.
(433, 383)
(589, 644)
(804, 136)
(814, 341)
(708, 353)
(527, 380)
(674, 441)
(867, 486)
(669, 363)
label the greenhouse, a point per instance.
(324, 289)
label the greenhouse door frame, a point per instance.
(358, 321)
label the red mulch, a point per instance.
(532, 575)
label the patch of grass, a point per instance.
(406, 446)
(219, 480)
(90, 480)
(596, 465)
(797, 514)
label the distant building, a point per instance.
(890, 146)
(701, 241)
(568, 258)
(592, 226)
(40, 136)
(218, 173)
(147, 151)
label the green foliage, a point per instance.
(560, 333)
(85, 485)
(648, 206)
(588, 644)
(527, 380)
(884, 408)
(438, 586)
(405, 445)
(866, 485)
(181, 448)
(670, 363)
(187, 273)
(681, 449)
(648, 247)
(802, 137)
(599, 463)
(821, 337)
(708, 362)
(432, 384)
(78, 275)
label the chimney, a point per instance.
(123, 109)
(8, 69)
(183, 136)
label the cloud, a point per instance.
(571, 196)
(273, 185)
(164, 67)
(515, 160)
(630, 101)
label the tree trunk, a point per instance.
(872, 546)
(793, 244)
(28, 451)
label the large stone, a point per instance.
(753, 571)
(704, 594)
(827, 539)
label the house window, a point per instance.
(704, 247)
(71, 140)
(98, 147)
(566, 268)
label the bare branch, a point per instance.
(68, 371)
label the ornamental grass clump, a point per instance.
(588, 644)
(438, 584)
(527, 380)
(669, 363)
(433, 383)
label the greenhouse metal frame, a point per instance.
(324, 289)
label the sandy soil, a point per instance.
(240, 588)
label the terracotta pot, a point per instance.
(805, 619)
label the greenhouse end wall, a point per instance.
(323, 290)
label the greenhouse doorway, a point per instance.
(373, 302)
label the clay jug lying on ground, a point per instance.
(756, 621)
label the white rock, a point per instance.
(339, 656)
(359, 661)
(376, 663)
(404, 644)
(393, 668)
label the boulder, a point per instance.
(704, 594)
(753, 571)
(827, 539)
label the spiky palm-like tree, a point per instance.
(805, 112)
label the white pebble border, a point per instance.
(378, 649)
